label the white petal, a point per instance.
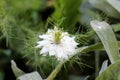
(49, 31)
(45, 48)
(63, 50)
(52, 50)
(61, 53)
(46, 36)
(42, 43)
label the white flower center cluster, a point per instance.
(57, 43)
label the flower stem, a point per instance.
(56, 70)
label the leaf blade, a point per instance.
(107, 37)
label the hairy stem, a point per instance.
(56, 70)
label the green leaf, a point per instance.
(104, 66)
(116, 27)
(30, 76)
(104, 6)
(94, 47)
(111, 73)
(22, 76)
(115, 4)
(106, 35)
(17, 72)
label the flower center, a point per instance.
(57, 37)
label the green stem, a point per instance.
(97, 65)
(56, 70)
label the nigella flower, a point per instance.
(57, 43)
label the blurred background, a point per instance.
(21, 21)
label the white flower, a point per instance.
(57, 43)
